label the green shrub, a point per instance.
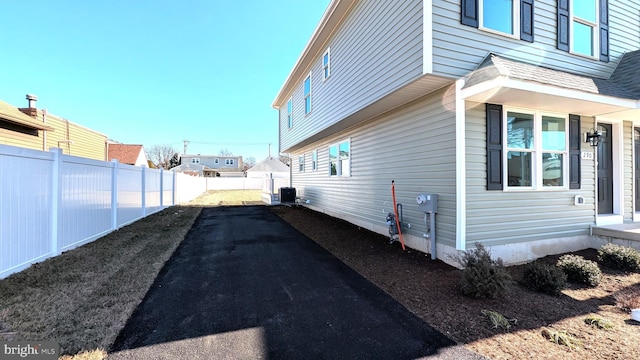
(619, 257)
(580, 270)
(544, 278)
(481, 275)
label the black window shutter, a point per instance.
(604, 30)
(526, 20)
(574, 151)
(494, 147)
(563, 25)
(469, 13)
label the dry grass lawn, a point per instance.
(84, 297)
(228, 198)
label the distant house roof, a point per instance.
(624, 82)
(188, 167)
(124, 153)
(12, 114)
(270, 164)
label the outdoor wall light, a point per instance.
(592, 137)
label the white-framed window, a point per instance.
(326, 64)
(314, 160)
(536, 150)
(229, 162)
(584, 27)
(502, 16)
(307, 94)
(216, 161)
(301, 163)
(340, 159)
(195, 160)
(290, 112)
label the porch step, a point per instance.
(620, 231)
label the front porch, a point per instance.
(627, 234)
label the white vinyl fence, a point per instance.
(50, 202)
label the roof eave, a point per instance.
(30, 124)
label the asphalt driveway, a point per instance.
(244, 284)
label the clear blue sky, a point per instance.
(157, 72)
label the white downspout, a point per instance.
(461, 171)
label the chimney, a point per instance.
(32, 101)
(31, 110)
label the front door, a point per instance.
(636, 134)
(605, 170)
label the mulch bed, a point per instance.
(431, 290)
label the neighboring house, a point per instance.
(269, 167)
(212, 166)
(489, 112)
(36, 129)
(127, 154)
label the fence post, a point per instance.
(56, 189)
(173, 189)
(144, 192)
(161, 188)
(114, 194)
(271, 191)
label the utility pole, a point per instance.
(186, 143)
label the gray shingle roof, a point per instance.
(624, 82)
(270, 164)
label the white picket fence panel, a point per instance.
(50, 202)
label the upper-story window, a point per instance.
(229, 162)
(301, 163)
(326, 64)
(307, 94)
(339, 159)
(500, 15)
(584, 27)
(216, 161)
(195, 160)
(290, 112)
(513, 18)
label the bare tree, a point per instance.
(225, 152)
(161, 155)
(249, 163)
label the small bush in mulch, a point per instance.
(619, 257)
(580, 270)
(628, 298)
(482, 277)
(544, 278)
(598, 322)
(562, 338)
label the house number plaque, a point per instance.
(588, 155)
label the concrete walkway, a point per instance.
(245, 285)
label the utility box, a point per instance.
(428, 203)
(287, 195)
